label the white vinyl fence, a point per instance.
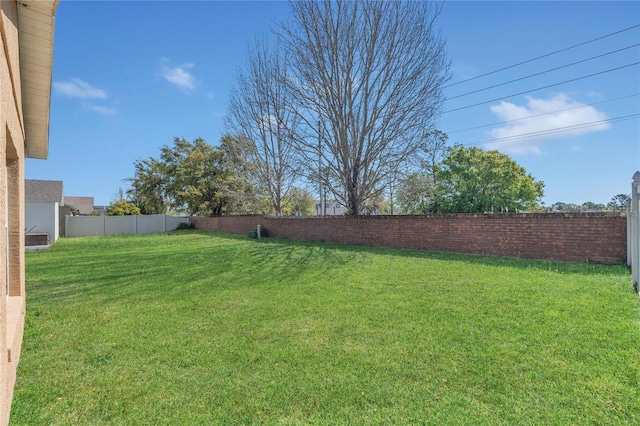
(84, 226)
(633, 232)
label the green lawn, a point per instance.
(200, 328)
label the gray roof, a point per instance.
(43, 190)
(83, 204)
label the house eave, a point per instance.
(36, 20)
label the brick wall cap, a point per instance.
(533, 215)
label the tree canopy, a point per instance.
(148, 186)
(122, 208)
(620, 202)
(415, 192)
(191, 177)
(298, 200)
(472, 180)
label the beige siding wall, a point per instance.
(12, 308)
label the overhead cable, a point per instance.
(543, 56)
(542, 114)
(543, 87)
(543, 72)
(556, 130)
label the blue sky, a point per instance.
(129, 76)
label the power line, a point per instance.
(544, 72)
(543, 56)
(557, 130)
(543, 87)
(542, 114)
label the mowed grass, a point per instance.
(195, 328)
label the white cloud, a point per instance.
(269, 122)
(103, 110)
(540, 118)
(77, 88)
(595, 95)
(463, 72)
(180, 75)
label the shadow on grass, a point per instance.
(352, 251)
(148, 270)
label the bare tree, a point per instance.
(435, 149)
(260, 110)
(367, 77)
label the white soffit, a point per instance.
(35, 34)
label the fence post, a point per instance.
(629, 239)
(634, 213)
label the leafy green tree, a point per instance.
(376, 205)
(299, 200)
(194, 177)
(620, 202)
(591, 206)
(557, 206)
(472, 180)
(435, 149)
(574, 208)
(240, 185)
(584, 207)
(122, 208)
(415, 193)
(148, 190)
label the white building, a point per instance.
(43, 199)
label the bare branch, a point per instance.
(366, 80)
(261, 111)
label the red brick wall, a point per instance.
(574, 237)
(230, 224)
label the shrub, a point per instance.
(185, 225)
(122, 208)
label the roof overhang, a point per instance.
(36, 20)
